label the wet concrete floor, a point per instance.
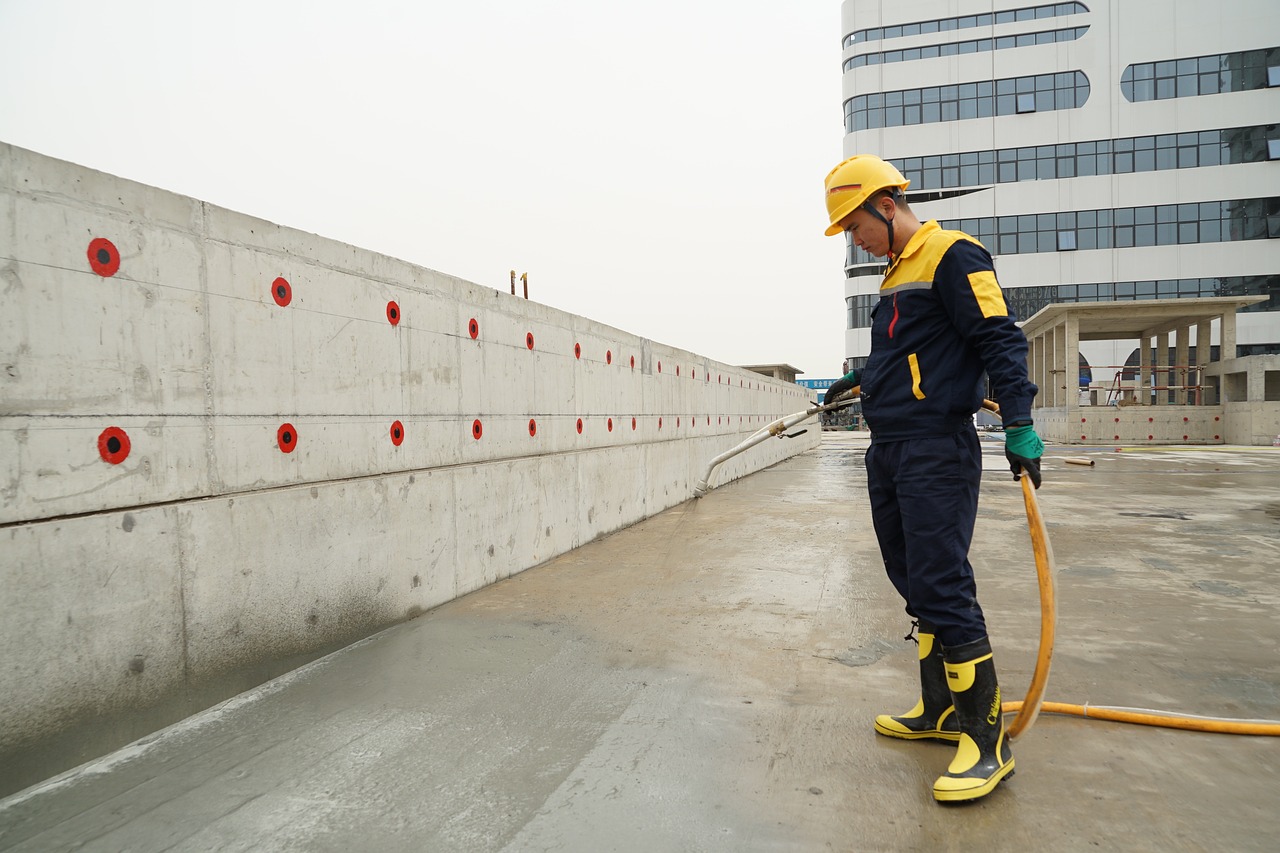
(706, 681)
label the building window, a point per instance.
(956, 48)
(1026, 103)
(943, 25)
(982, 99)
(1117, 228)
(1026, 301)
(1100, 157)
(1066, 241)
(1240, 71)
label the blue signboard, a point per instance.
(816, 384)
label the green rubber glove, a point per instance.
(1023, 448)
(850, 380)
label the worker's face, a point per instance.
(867, 232)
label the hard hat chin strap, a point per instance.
(894, 194)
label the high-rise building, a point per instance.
(1102, 150)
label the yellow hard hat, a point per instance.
(856, 180)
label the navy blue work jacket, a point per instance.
(940, 322)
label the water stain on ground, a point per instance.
(1219, 588)
(862, 656)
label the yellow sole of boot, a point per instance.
(962, 795)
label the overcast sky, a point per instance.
(655, 166)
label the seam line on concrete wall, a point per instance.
(314, 483)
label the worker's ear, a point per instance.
(888, 207)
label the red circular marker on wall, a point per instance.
(397, 433)
(477, 429)
(577, 350)
(533, 427)
(633, 424)
(393, 313)
(528, 340)
(287, 438)
(104, 257)
(473, 328)
(633, 362)
(1150, 437)
(659, 367)
(579, 426)
(608, 356)
(113, 445)
(677, 422)
(677, 370)
(659, 423)
(610, 424)
(1084, 420)
(1115, 438)
(281, 292)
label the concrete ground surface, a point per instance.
(706, 681)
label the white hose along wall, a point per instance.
(227, 447)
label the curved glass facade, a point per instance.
(963, 22)
(1099, 157)
(1026, 301)
(1110, 228)
(957, 48)
(1008, 96)
(1240, 71)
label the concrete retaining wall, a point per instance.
(1133, 425)
(228, 447)
(1250, 389)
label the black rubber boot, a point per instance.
(933, 717)
(983, 756)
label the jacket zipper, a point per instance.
(894, 321)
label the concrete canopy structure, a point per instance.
(1169, 396)
(785, 372)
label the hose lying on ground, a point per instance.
(1164, 719)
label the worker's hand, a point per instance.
(844, 383)
(1023, 448)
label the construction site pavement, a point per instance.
(706, 681)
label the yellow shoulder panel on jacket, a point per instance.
(987, 291)
(920, 262)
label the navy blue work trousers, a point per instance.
(924, 500)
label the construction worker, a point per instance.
(940, 323)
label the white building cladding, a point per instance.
(1112, 149)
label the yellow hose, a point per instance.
(1034, 703)
(1164, 719)
(1048, 612)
